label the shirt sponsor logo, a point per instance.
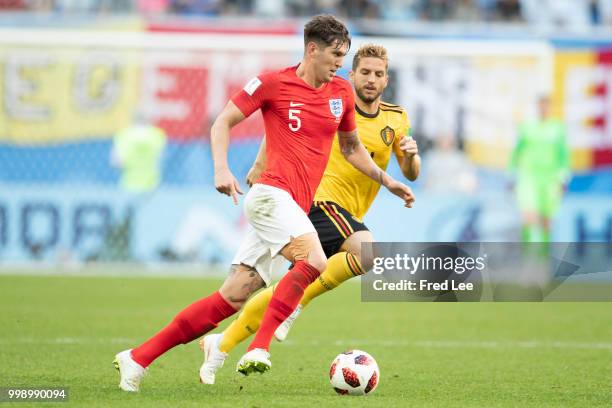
(252, 86)
(335, 106)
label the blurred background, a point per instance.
(106, 107)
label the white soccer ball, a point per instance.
(354, 372)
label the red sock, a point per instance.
(285, 299)
(196, 319)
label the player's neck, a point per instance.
(369, 108)
(306, 73)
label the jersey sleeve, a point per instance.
(255, 94)
(404, 130)
(348, 124)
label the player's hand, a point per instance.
(226, 183)
(402, 191)
(253, 175)
(409, 146)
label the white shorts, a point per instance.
(274, 219)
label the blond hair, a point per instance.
(373, 51)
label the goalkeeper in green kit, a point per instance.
(540, 161)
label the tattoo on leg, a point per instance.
(254, 283)
(257, 284)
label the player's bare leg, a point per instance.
(195, 320)
(344, 265)
(243, 281)
(308, 258)
(353, 245)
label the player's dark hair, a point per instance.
(326, 30)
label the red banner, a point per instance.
(185, 96)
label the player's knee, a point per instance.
(306, 248)
(242, 282)
(354, 246)
(318, 260)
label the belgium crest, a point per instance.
(388, 135)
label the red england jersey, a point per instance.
(301, 123)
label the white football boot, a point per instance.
(213, 358)
(283, 330)
(255, 361)
(130, 371)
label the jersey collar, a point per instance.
(367, 115)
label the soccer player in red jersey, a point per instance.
(303, 107)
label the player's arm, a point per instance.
(259, 165)
(225, 182)
(410, 161)
(357, 155)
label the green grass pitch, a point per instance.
(65, 331)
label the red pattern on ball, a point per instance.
(372, 383)
(332, 369)
(350, 377)
(363, 360)
(341, 392)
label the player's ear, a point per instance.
(311, 48)
(352, 76)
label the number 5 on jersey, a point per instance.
(295, 122)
